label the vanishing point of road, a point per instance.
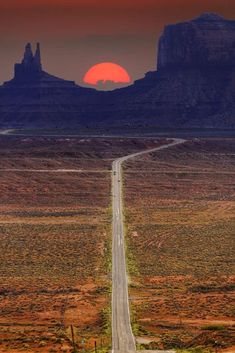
(122, 336)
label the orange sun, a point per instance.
(106, 72)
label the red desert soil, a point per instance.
(180, 206)
(55, 236)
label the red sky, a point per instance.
(76, 34)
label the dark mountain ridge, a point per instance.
(193, 87)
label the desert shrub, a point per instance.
(213, 327)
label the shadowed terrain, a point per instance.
(193, 87)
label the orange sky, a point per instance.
(106, 3)
(76, 34)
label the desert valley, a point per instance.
(117, 206)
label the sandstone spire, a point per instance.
(37, 58)
(28, 55)
(30, 67)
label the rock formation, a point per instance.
(30, 67)
(30, 72)
(193, 87)
(34, 98)
(206, 42)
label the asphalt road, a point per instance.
(122, 336)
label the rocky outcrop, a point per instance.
(29, 73)
(30, 67)
(207, 41)
(193, 87)
(34, 98)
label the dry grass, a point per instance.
(180, 216)
(55, 233)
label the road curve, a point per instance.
(122, 336)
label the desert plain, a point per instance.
(55, 240)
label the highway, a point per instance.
(123, 339)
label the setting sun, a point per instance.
(106, 72)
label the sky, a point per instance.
(77, 34)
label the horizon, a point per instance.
(117, 208)
(77, 35)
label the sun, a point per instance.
(106, 72)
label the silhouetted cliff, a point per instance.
(206, 42)
(193, 87)
(34, 98)
(30, 67)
